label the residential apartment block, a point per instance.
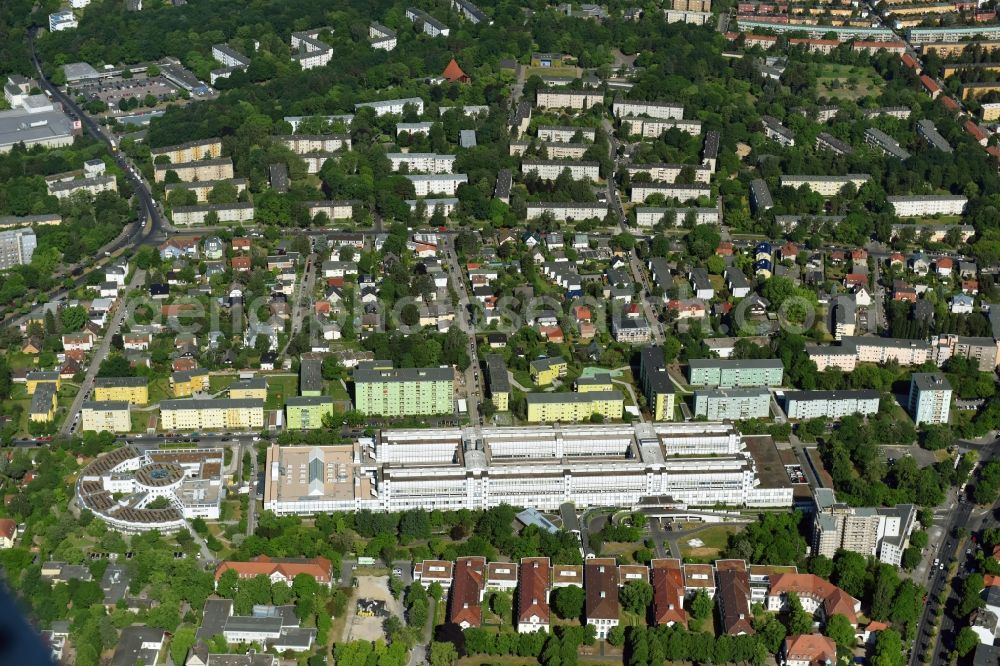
(926, 129)
(215, 169)
(381, 37)
(405, 391)
(829, 142)
(430, 25)
(880, 532)
(733, 404)
(134, 390)
(303, 144)
(64, 189)
(682, 193)
(735, 372)
(482, 467)
(668, 173)
(774, 130)
(202, 188)
(185, 383)
(983, 350)
(930, 398)
(567, 211)
(422, 162)
(551, 170)
(656, 384)
(200, 215)
(885, 144)
(470, 12)
(927, 205)
(393, 106)
(624, 108)
(868, 349)
(830, 404)
(651, 128)
(648, 217)
(17, 246)
(498, 382)
(306, 412)
(556, 134)
(826, 186)
(192, 151)
(574, 407)
(308, 50)
(112, 416)
(558, 98)
(425, 185)
(214, 414)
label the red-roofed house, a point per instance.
(970, 287)
(241, 244)
(668, 592)
(280, 569)
(815, 594)
(855, 280)
(763, 41)
(466, 595)
(533, 595)
(454, 73)
(587, 330)
(976, 132)
(897, 259)
(582, 313)
(8, 531)
(859, 254)
(551, 333)
(944, 266)
(429, 572)
(949, 102)
(788, 251)
(930, 85)
(910, 62)
(241, 263)
(809, 650)
(725, 249)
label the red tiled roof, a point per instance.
(930, 84)
(532, 593)
(975, 131)
(833, 599)
(814, 648)
(8, 528)
(668, 592)
(465, 597)
(908, 61)
(454, 73)
(949, 102)
(317, 567)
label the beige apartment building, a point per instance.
(554, 98)
(303, 144)
(201, 189)
(826, 186)
(212, 414)
(192, 151)
(110, 416)
(220, 169)
(668, 173)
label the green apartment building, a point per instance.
(735, 373)
(306, 412)
(404, 391)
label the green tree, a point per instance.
(501, 604)
(839, 628)
(636, 596)
(568, 602)
(182, 641)
(701, 605)
(73, 318)
(702, 241)
(616, 636)
(966, 641)
(443, 654)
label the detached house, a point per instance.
(466, 595)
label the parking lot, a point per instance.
(113, 90)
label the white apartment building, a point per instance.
(774, 130)
(446, 206)
(422, 162)
(921, 206)
(109, 416)
(735, 404)
(64, 20)
(869, 349)
(612, 465)
(880, 532)
(63, 189)
(227, 56)
(414, 128)
(393, 106)
(682, 193)
(381, 37)
(564, 151)
(550, 170)
(309, 51)
(564, 134)
(668, 173)
(214, 414)
(826, 186)
(303, 144)
(930, 398)
(447, 183)
(17, 246)
(471, 12)
(296, 121)
(557, 98)
(567, 211)
(830, 404)
(662, 110)
(430, 25)
(653, 128)
(198, 215)
(648, 217)
(315, 161)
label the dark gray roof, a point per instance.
(214, 617)
(308, 400)
(403, 375)
(219, 403)
(497, 371)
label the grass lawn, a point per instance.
(337, 391)
(218, 383)
(502, 661)
(159, 389)
(715, 539)
(17, 360)
(140, 419)
(279, 389)
(552, 71)
(847, 82)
